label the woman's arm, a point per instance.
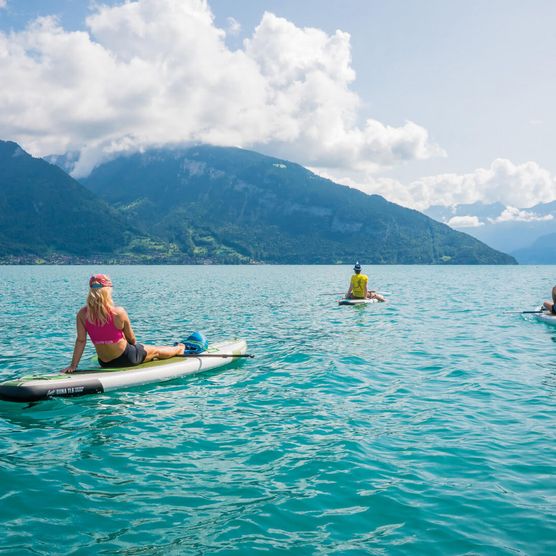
(126, 326)
(79, 347)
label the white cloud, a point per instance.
(234, 26)
(3, 4)
(515, 185)
(153, 72)
(464, 222)
(512, 214)
(520, 185)
(309, 74)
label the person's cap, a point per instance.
(99, 281)
(357, 266)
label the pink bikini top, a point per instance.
(104, 334)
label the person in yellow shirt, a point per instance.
(358, 286)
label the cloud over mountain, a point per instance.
(464, 222)
(153, 72)
(513, 214)
(513, 185)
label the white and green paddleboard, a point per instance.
(96, 381)
(357, 301)
(547, 316)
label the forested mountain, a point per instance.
(213, 201)
(45, 215)
(210, 204)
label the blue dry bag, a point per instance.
(196, 343)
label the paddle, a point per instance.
(216, 355)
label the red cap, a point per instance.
(99, 281)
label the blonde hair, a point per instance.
(100, 306)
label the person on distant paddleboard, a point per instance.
(551, 305)
(358, 286)
(110, 331)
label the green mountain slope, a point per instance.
(46, 214)
(236, 205)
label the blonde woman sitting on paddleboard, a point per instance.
(358, 286)
(111, 333)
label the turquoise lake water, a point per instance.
(425, 425)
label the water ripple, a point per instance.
(424, 425)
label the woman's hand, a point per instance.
(80, 342)
(70, 369)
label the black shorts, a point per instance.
(553, 309)
(133, 355)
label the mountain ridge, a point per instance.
(208, 204)
(48, 217)
(273, 210)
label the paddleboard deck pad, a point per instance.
(97, 381)
(357, 301)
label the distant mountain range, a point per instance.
(541, 251)
(529, 234)
(210, 204)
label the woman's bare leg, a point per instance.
(373, 295)
(163, 352)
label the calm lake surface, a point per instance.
(422, 426)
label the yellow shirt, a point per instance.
(358, 283)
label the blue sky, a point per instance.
(480, 76)
(476, 79)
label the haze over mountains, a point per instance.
(527, 233)
(211, 204)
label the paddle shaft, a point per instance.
(217, 355)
